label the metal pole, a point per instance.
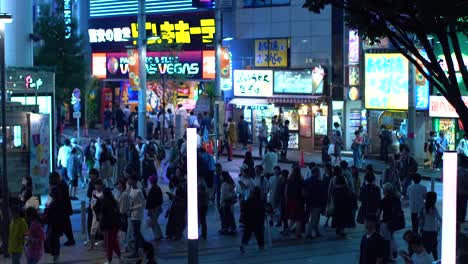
(142, 73)
(411, 110)
(5, 191)
(218, 46)
(78, 129)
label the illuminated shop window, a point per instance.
(265, 3)
(17, 136)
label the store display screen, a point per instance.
(293, 82)
(386, 81)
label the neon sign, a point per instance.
(31, 84)
(67, 17)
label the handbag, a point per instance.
(331, 149)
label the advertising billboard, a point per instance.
(293, 82)
(253, 83)
(184, 64)
(440, 107)
(386, 81)
(193, 31)
(271, 52)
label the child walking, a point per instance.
(18, 231)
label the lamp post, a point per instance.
(142, 74)
(218, 46)
(4, 18)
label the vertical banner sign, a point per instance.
(271, 52)
(40, 152)
(133, 69)
(67, 17)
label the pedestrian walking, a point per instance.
(430, 149)
(17, 232)
(269, 161)
(372, 243)
(325, 145)
(313, 197)
(280, 193)
(53, 218)
(254, 220)
(96, 208)
(62, 158)
(123, 203)
(178, 208)
(416, 195)
(430, 221)
(120, 119)
(441, 147)
(203, 199)
(225, 143)
(90, 155)
(105, 168)
(262, 137)
(370, 199)
(337, 141)
(295, 201)
(284, 135)
(65, 206)
(154, 207)
(136, 211)
(342, 205)
(356, 147)
(107, 117)
(228, 199)
(392, 220)
(74, 167)
(243, 131)
(35, 239)
(232, 133)
(385, 142)
(408, 167)
(249, 161)
(26, 189)
(391, 174)
(244, 186)
(109, 223)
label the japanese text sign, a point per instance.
(386, 81)
(191, 31)
(353, 49)
(271, 52)
(184, 64)
(253, 83)
(67, 17)
(440, 107)
(421, 88)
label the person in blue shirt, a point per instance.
(441, 146)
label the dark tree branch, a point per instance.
(458, 53)
(448, 60)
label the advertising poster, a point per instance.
(253, 83)
(133, 68)
(271, 52)
(320, 125)
(353, 49)
(386, 81)
(318, 79)
(40, 152)
(305, 128)
(440, 107)
(293, 82)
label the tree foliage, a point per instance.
(412, 25)
(65, 56)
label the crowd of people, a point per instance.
(123, 176)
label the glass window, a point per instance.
(17, 136)
(264, 3)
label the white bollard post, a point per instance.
(449, 208)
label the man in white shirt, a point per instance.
(270, 160)
(62, 158)
(416, 196)
(273, 198)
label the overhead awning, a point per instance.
(293, 99)
(249, 101)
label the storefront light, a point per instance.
(315, 108)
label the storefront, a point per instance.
(386, 97)
(178, 64)
(445, 118)
(292, 95)
(31, 125)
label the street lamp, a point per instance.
(4, 19)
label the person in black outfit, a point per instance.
(254, 219)
(153, 205)
(64, 204)
(53, 218)
(119, 119)
(372, 244)
(108, 212)
(313, 196)
(243, 131)
(148, 254)
(284, 140)
(343, 207)
(370, 198)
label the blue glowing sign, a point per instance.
(101, 8)
(421, 88)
